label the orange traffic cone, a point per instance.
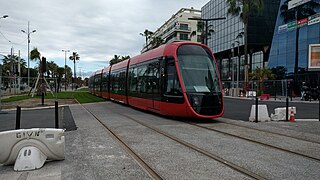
(241, 94)
(291, 115)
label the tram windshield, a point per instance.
(198, 69)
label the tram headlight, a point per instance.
(196, 101)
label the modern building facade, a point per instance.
(227, 41)
(177, 28)
(285, 36)
(295, 45)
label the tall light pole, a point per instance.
(1, 112)
(28, 33)
(65, 68)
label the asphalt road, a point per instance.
(38, 118)
(239, 109)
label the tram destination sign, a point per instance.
(295, 3)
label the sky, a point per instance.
(95, 29)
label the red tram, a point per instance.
(179, 79)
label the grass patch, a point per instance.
(81, 96)
(15, 98)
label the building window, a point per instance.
(184, 26)
(183, 36)
(257, 60)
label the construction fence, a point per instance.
(19, 85)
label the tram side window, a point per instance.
(133, 74)
(149, 78)
(141, 86)
(156, 78)
(97, 80)
(105, 82)
(172, 87)
(122, 81)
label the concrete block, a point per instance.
(263, 115)
(280, 113)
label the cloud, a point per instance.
(96, 29)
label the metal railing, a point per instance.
(275, 88)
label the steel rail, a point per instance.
(257, 142)
(202, 151)
(147, 168)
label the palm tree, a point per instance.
(156, 42)
(201, 28)
(114, 60)
(261, 74)
(294, 14)
(244, 8)
(52, 69)
(75, 57)
(8, 61)
(124, 58)
(35, 55)
(60, 73)
(147, 34)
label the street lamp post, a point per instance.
(1, 112)
(28, 33)
(65, 68)
(238, 68)
(206, 24)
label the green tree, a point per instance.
(114, 60)
(75, 57)
(245, 8)
(260, 75)
(202, 29)
(60, 73)
(12, 61)
(156, 41)
(117, 59)
(147, 34)
(35, 55)
(124, 58)
(52, 69)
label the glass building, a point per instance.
(296, 40)
(227, 40)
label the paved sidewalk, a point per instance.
(90, 153)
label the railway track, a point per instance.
(257, 142)
(145, 166)
(275, 133)
(151, 172)
(202, 151)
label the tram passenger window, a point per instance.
(173, 87)
(148, 78)
(141, 86)
(155, 78)
(133, 79)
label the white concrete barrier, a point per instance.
(280, 113)
(262, 113)
(30, 148)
